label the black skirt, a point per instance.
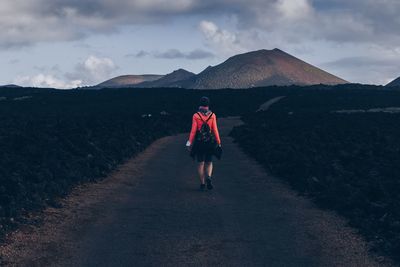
(205, 150)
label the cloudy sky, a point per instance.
(69, 43)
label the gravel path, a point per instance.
(151, 213)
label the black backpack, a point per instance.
(204, 135)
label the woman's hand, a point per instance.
(188, 146)
(218, 151)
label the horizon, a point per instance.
(100, 40)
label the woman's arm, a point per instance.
(215, 130)
(192, 131)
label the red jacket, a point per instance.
(197, 122)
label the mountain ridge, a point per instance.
(395, 82)
(252, 69)
(169, 80)
(128, 80)
(263, 68)
(10, 86)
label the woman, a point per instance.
(203, 141)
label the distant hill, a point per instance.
(262, 68)
(253, 69)
(128, 80)
(172, 79)
(10, 86)
(396, 82)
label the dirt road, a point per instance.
(268, 104)
(151, 213)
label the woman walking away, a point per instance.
(204, 142)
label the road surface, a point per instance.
(151, 213)
(269, 103)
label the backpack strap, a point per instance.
(209, 117)
(201, 118)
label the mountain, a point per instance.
(252, 69)
(172, 79)
(128, 80)
(396, 82)
(261, 68)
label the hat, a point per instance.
(204, 101)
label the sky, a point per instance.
(71, 43)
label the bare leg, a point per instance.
(200, 169)
(208, 169)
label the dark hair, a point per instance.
(204, 101)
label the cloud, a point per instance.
(170, 54)
(294, 10)
(332, 20)
(24, 23)
(222, 40)
(354, 62)
(93, 70)
(367, 69)
(338, 21)
(199, 54)
(174, 54)
(46, 81)
(139, 54)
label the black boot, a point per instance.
(202, 187)
(209, 183)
